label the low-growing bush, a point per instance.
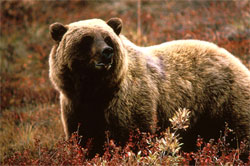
(141, 149)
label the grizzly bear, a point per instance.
(107, 83)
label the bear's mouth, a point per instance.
(102, 65)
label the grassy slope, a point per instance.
(29, 106)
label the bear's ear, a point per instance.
(115, 24)
(57, 30)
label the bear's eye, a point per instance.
(85, 43)
(88, 40)
(108, 40)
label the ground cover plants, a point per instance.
(30, 129)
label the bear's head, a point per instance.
(89, 46)
(87, 54)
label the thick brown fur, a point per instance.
(145, 85)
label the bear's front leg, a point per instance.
(91, 130)
(68, 116)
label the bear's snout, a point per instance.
(107, 54)
(106, 58)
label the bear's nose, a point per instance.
(107, 54)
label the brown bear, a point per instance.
(108, 83)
